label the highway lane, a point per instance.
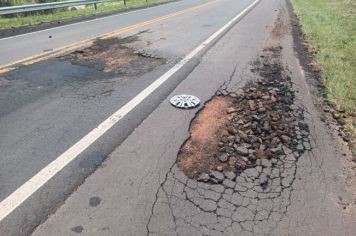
(30, 44)
(48, 106)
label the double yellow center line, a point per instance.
(88, 42)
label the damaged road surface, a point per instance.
(252, 159)
(244, 171)
(61, 116)
(110, 56)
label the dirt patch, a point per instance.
(238, 131)
(111, 56)
(198, 154)
(279, 28)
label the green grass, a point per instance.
(67, 14)
(330, 28)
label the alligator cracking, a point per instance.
(242, 183)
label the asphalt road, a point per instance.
(48, 106)
(26, 45)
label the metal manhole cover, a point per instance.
(185, 101)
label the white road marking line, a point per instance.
(16, 198)
(97, 19)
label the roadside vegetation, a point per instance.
(330, 29)
(5, 3)
(24, 19)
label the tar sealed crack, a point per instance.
(244, 185)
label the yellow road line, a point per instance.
(88, 42)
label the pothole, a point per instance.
(242, 131)
(235, 174)
(111, 56)
(198, 153)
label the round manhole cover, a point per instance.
(185, 101)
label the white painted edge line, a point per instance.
(97, 19)
(16, 198)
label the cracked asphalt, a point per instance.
(48, 106)
(139, 189)
(143, 191)
(251, 201)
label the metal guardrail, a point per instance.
(50, 5)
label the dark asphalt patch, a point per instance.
(112, 56)
(94, 201)
(26, 84)
(106, 61)
(77, 229)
